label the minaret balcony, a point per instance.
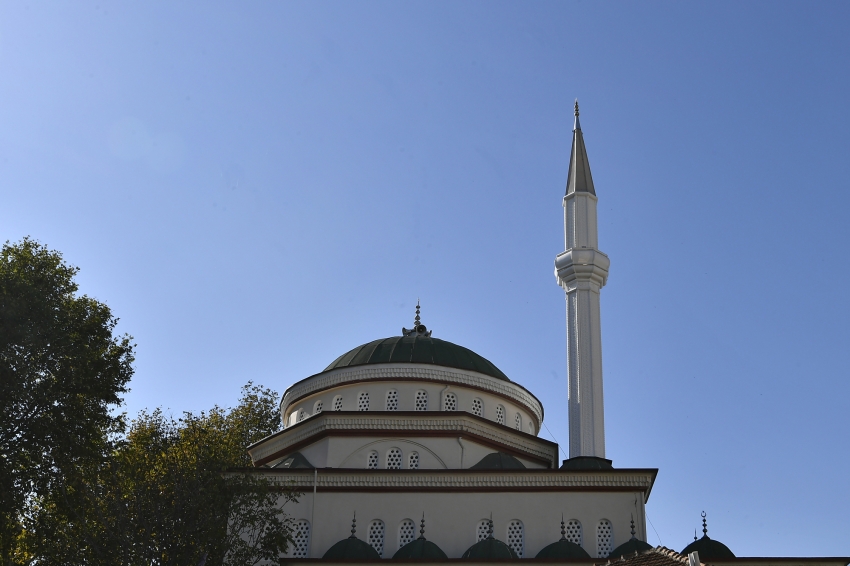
(581, 265)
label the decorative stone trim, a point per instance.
(429, 422)
(389, 372)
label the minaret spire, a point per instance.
(582, 270)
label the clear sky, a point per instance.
(258, 187)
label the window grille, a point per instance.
(301, 539)
(338, 403)
(413, 461)
(477, 407)
(406, 532)
(317, 408)
(450, 402)
(376, 536)
(518, 421)
(421, 400)
(574, 531)
(363, 402)
(394, 459)
(372, 461)
(301, 415)
(604, 538)
(516, 538)
(392, 400)
(500, 414)
(483, 529)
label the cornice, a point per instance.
(406, 424)
(391, 372)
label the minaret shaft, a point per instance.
(582, 270)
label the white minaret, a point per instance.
(582, 271)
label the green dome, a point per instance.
(420, 549)
(490, 549)
(709, 549)
(631, 546)
(498, 461)
(351, 548)
(417, 349)
(563, 549)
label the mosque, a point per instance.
(415, 448)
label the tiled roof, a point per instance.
(658, 556)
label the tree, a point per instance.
(62, 370)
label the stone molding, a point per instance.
(328, 422)
(582, 265)
(638, 480)
(389, 372)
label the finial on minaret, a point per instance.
(563, 530)
(576, 107)
(704, 525)
(418, 329)
(354, 526)
(422, 527)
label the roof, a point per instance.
(658, 556)
(417, 349)
(498, 461)
(579, 179)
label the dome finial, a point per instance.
(633, 526)
(695, 535)
(563, 530)
(490, 526)
(422, 527)
(354, 526)
(704, 525)
(418, 329)
(416, 320)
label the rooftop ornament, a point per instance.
(418, 329)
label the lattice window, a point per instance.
(372, 461)
(363, 402)
(301, 540)
(477, 407)
(450, 402)
(394, 459)
(574, 531)
(406, 532)
(317, 408)
(421, 400)
(338, 403)
(604, 538)
(392, 400)
(413, 461)
(376, 536)
(500, 414)
(482, 530)
(301, 415)
(516, 536)
(518, 421)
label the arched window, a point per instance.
(363, 402)
(450, 402)
(406, 532)
(376, 536)
(301, 539)
(604, 538)
(516, 536)
(301, 415)
(421, 400)
(530, 427)
(317, 408)
(338, 403)
(394, 459)
(482, 529)
(372, 460)
(518, 421)
(500, 414)
(392, 400)
(477, 407)
(413, 461)
(574, 531)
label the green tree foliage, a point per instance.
(61, 370)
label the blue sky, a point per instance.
(255, 188)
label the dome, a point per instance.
(563, 549)
(351, 548)
(630, 547)
(490, 549)
(418, 348)
(498, 461)
(709, 549)
(420, 549)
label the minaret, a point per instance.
(582, 271)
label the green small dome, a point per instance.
(490, 549)
(420, 549)
(351, 548)
(563, 549)
(631, 546)
(709, 549)
(417, 349)
(498, 461)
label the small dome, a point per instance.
(417, 348)
(351, 548)
(563, 549)
(498, 461)
(709, 549)
(630, 547)
(420, 549)
(490, 549)
(587, 463)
